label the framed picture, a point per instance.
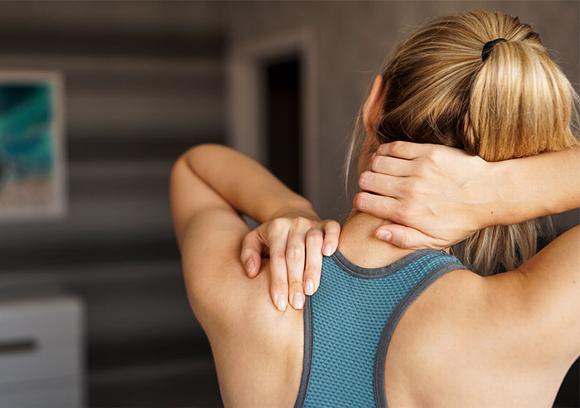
(32, 163)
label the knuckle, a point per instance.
(403, 240)
(377, 162)
(252, 234)
(246, 252)
(411, 187)
(403, 212)
(314, 237)
(296, 285)
(384, 204)
(365, 177)
(433, 155)
(246, 241)
(280, 285)
(423, 169)
(332, 225)
(301, 222)
(360, 200)
(278, 224)
(294, 252)
(397, 146)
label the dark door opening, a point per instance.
(283, 120)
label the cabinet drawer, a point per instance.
(40, 338)
(60, 393)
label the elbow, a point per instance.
(201, 151)
(191, 153)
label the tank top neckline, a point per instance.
(382, 271)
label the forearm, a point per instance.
(532, 187)
(245, 184)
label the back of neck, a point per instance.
(359, 244)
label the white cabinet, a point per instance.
(41, 352)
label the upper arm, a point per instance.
(210, 232)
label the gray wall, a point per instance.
(143, 81)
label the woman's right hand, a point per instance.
(295, 242)
(434, 196)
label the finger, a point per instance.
(278, 273)
(406, 237)
(252, 247)
(379, 206)
(390, 186)
(313, 269)
(295, 261)
(331, 235)
(404, 150)
(392, 166)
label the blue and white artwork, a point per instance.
(31, 141)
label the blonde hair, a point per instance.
(515, 103)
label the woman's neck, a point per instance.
(359, 244)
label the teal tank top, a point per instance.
(349, 321)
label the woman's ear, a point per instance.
(369, 145)
(372, 107)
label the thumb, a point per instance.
(252, 246)
(405, 237)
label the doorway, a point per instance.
(283, 121)
(271, 106)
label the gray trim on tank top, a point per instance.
(307, 357)
(380, 272)
(368, 273)
(391, 325)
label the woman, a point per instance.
(387, 325)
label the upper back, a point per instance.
(462, 340)
(467, 341)
(349, 323)
(422, 331)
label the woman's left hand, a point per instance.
(434, 196)
(295, 243)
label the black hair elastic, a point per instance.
(488, 46)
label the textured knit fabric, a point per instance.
(349, 322)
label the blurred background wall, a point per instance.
(143, 82)
(146, 80)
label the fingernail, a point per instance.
(298, 300)
(385, 235)
(309, 287)
(281, 302)
(250, 265)
(327, 250)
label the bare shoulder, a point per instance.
(535, 308)
(252, 342)
(478, 334)
(222, 296)
(543, 294)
